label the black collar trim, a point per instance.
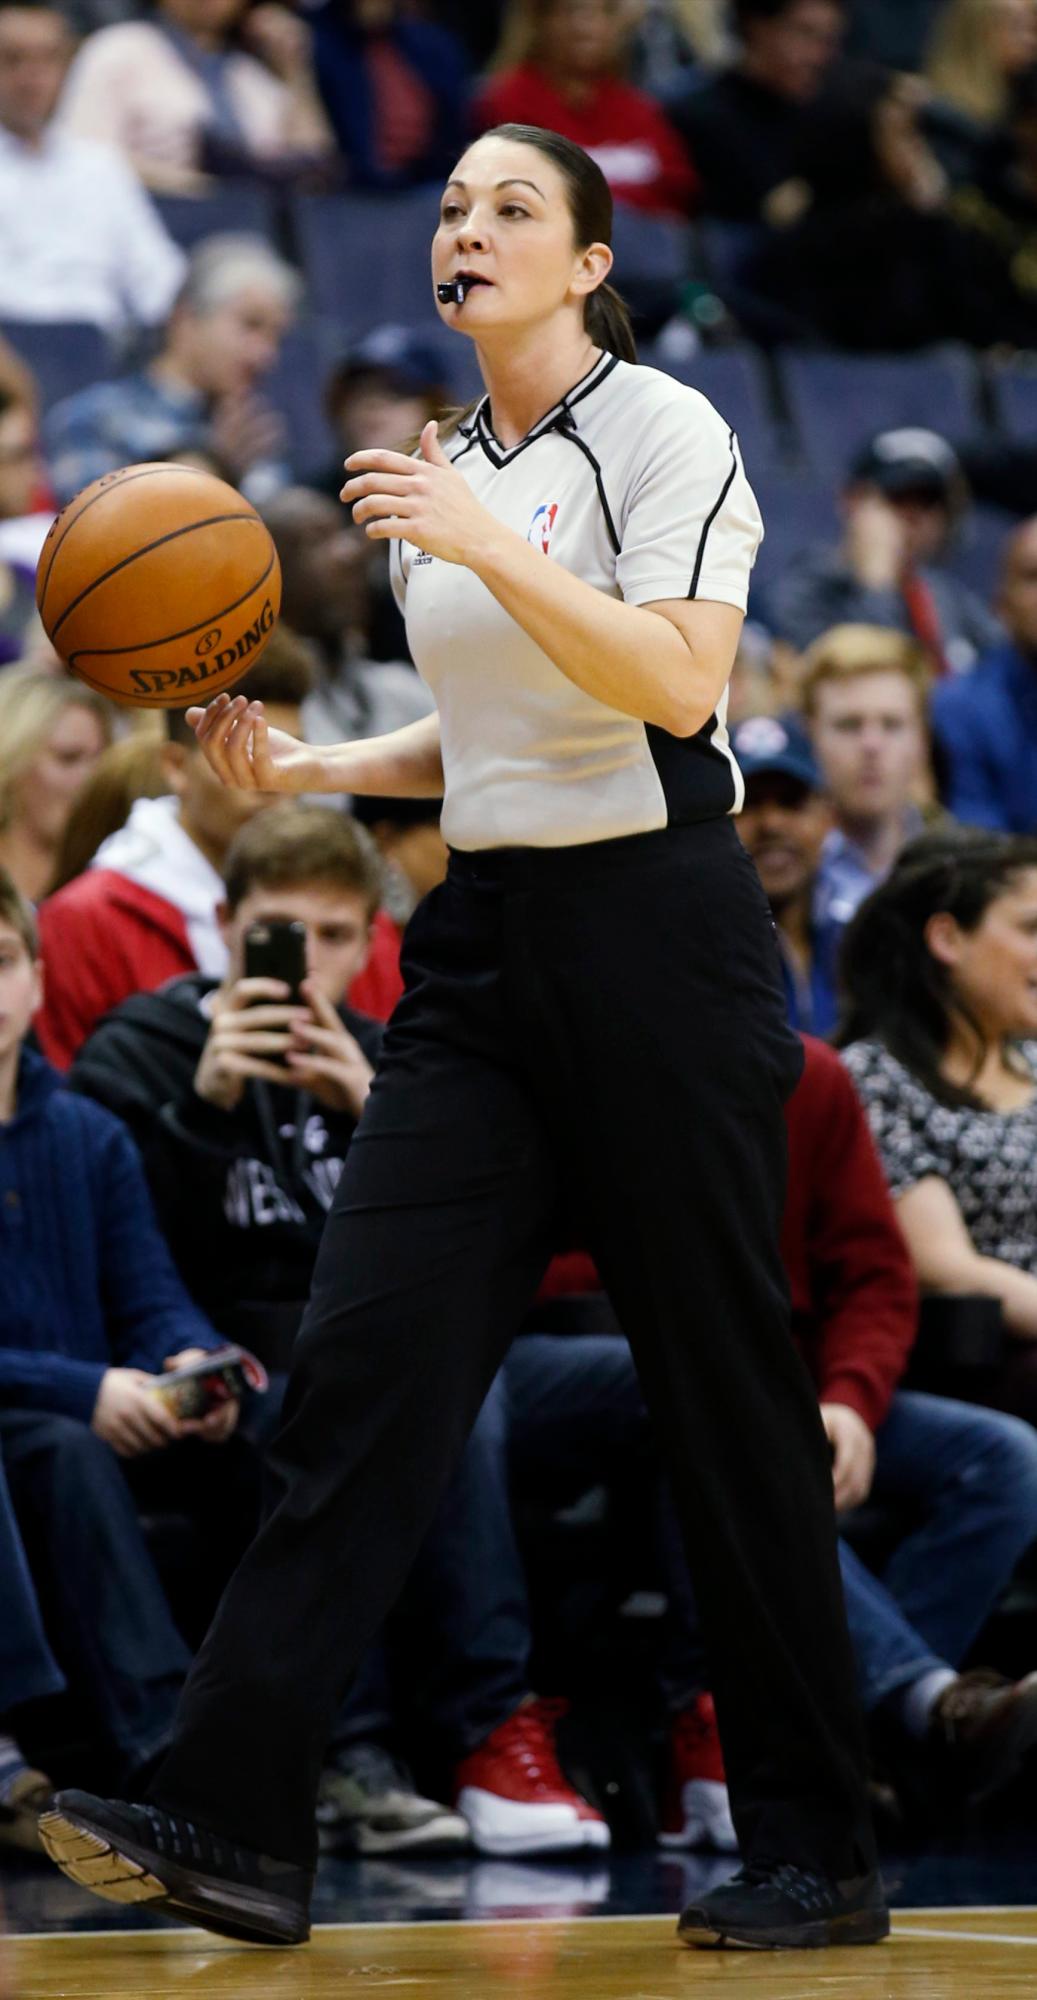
(560, 416)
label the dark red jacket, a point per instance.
(641, 156)
(854, 1297)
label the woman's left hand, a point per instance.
(420, 500)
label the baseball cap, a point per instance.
(411, 366)
(910, 460)
(775, 743)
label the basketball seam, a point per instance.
(112, 652)
(213, 521)
(152, 473)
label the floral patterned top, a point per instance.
(987, 1158)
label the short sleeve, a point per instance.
(900, 1113)
(690, 526)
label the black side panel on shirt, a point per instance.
(711, 517)
(698, 779)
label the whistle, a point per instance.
(454, 291)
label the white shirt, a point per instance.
(79, 239)
(130, 85)
(153, 850)
(634, 483)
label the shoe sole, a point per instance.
(123, 1873)
(862, 1927)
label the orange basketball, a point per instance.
(158, 585)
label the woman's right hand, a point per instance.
(244, 751)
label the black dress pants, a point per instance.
(598, 1031)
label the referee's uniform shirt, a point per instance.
(635, 484)
(592, 1038)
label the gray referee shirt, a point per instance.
(634, 483)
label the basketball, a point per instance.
(158, 585)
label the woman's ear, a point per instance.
(592, 270)
(942, 934)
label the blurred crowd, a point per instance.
(839, 192)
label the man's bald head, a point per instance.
(1017, 598)
(324, 564)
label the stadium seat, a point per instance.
(798, 513)
(64, 356)
(1015, 401)
(295, 387)
(838, 401)
(234, 206)
(366, 258)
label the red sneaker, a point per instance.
(514, 1796)
(697, 1812)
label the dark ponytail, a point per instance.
(590, 204)
(895, 991)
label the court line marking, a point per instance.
(967, 1937)
(476, 1923)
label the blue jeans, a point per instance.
(561, 1415)
(28, 1669)
(93, 1577)
(972, 1476)
(968, 1476)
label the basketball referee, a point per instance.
(592, 1026)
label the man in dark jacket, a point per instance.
(243, 1102)
(93, 1313)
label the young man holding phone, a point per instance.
(243, 1093)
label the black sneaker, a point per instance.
(141, 1854)
(784, 1908)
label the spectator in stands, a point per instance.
(865, 693)
(146, 908)
(986, 723)
(93, 1313)
(560, 63)
(395, 89)
(892, 32)
(78, 238)
(675, 40)
(977, 51)
(773, 132)
(903, 498)
(996, 197)
(325, 570)
(241, 1194)
(784, 824)
(243, 1179)
(202, 87)
(202, 388)
(939, 1032)
(827, 166)
(52, 733)
(965, 1478)
(381, 394)
(407, 835)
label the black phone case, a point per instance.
(277, 951)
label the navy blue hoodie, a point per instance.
(86, 1280)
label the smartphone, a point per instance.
(277, 950)
(201, 1386)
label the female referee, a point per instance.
(592, 1026)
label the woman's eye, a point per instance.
(449, 208)
(514, 208)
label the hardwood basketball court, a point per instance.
(939, 1954)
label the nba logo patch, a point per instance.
(541, 527)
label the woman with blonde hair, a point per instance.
(978, 50)
(128, 770)
(52, 732)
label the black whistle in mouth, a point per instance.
(454, 291)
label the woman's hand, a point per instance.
(280, 39)
(244, 751)
(420, 500)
